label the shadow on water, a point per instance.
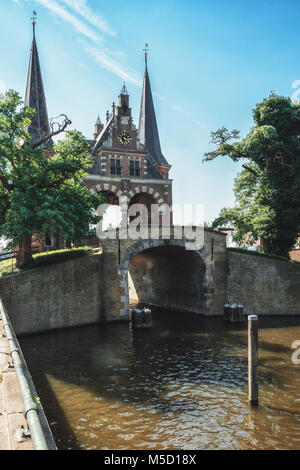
(57, 415)
(143, 368)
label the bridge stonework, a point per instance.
(165, 273)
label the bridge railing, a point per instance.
(7, 255)
(11, 255)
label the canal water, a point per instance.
(179, 385)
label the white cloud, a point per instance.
(161, 98)
(200, 124)
(188, 115)
(78, 25)
(2, 86)
(109, 64)
(96, 20)
(105, 57)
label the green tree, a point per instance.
(41, 192)
(268, 188)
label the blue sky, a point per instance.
(210, 63)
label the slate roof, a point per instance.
(148, 130)
(153, 172)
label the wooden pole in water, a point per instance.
(253, 359)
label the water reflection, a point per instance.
(179, 385)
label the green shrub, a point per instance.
(58, 256)
(259, 253)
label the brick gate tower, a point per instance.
(128, 160)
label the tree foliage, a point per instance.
(41, 192)
(268, 188)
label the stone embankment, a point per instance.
(15, 433)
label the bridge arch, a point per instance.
(185, 279)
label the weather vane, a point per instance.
(34, 17)
(146, 50)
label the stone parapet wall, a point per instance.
(265, 286)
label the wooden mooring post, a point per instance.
(253, 360)
(233, 313)
(141, 318)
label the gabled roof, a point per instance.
(153, 172)
(35, 97)
(148, 130)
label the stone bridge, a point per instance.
(167, 271)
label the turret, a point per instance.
(98, 127)
(123, 103)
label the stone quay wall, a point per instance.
(60, 295)
(265, 286)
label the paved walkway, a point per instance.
(11, 403)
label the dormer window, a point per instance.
(134, 168)
(115, 166)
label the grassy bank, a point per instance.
(8, 267)
(259, 253)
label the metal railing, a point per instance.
(31, 412)
(12, 254)
(7, 255)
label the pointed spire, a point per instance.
(35, 96)
(124, 90)
(148, 131)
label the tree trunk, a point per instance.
(24, 255)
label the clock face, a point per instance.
(124, 138)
